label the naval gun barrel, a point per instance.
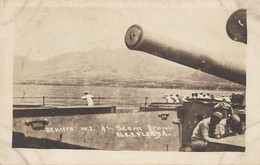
(136, 38)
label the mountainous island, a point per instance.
(119, 67)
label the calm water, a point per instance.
(125, 99)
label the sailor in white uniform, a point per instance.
(88, 97)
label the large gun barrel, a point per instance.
(136, 38)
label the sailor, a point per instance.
(172, 98)
(88, 97)
(168, 98)
(205, 131)
(196, 95)
(179, 98)
(212, 96)
(218, 98)
(226, 99)
(225, 108)
(175, 98)
(232, 127)
(200, 96)
(207, 96)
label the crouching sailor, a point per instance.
(204, 132)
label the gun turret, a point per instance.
(137, 38)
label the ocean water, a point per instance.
(124, 98)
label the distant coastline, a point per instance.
(175, 84)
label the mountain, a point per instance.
(100, 64)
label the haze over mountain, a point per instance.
(98, 64)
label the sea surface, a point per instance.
(126, 99)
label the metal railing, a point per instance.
(61, 101)
(46, 100)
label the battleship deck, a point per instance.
(230, 143)
(34, 111)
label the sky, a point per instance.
(43, 30)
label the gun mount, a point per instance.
(136, 38)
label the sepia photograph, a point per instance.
(151, 76)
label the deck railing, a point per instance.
(46, 100)
(124, 103)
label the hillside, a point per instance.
(105, 64)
